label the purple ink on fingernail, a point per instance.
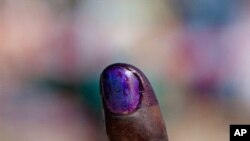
(121, 90)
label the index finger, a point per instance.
(131, 108)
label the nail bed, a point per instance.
(120, 89)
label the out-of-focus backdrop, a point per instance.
(196, 53)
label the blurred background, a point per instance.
(195, 53)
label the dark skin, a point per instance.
(144, 124)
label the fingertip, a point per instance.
(131, 107)
(125, 89)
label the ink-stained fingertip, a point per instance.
(132, 112)
(125, 89)
(121, 89)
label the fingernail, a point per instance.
(120, 89)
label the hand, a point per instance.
(131, 109)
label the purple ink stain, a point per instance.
(121, 90)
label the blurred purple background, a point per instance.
(195, 53)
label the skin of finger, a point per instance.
(146, 124)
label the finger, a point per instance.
(131, 109)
